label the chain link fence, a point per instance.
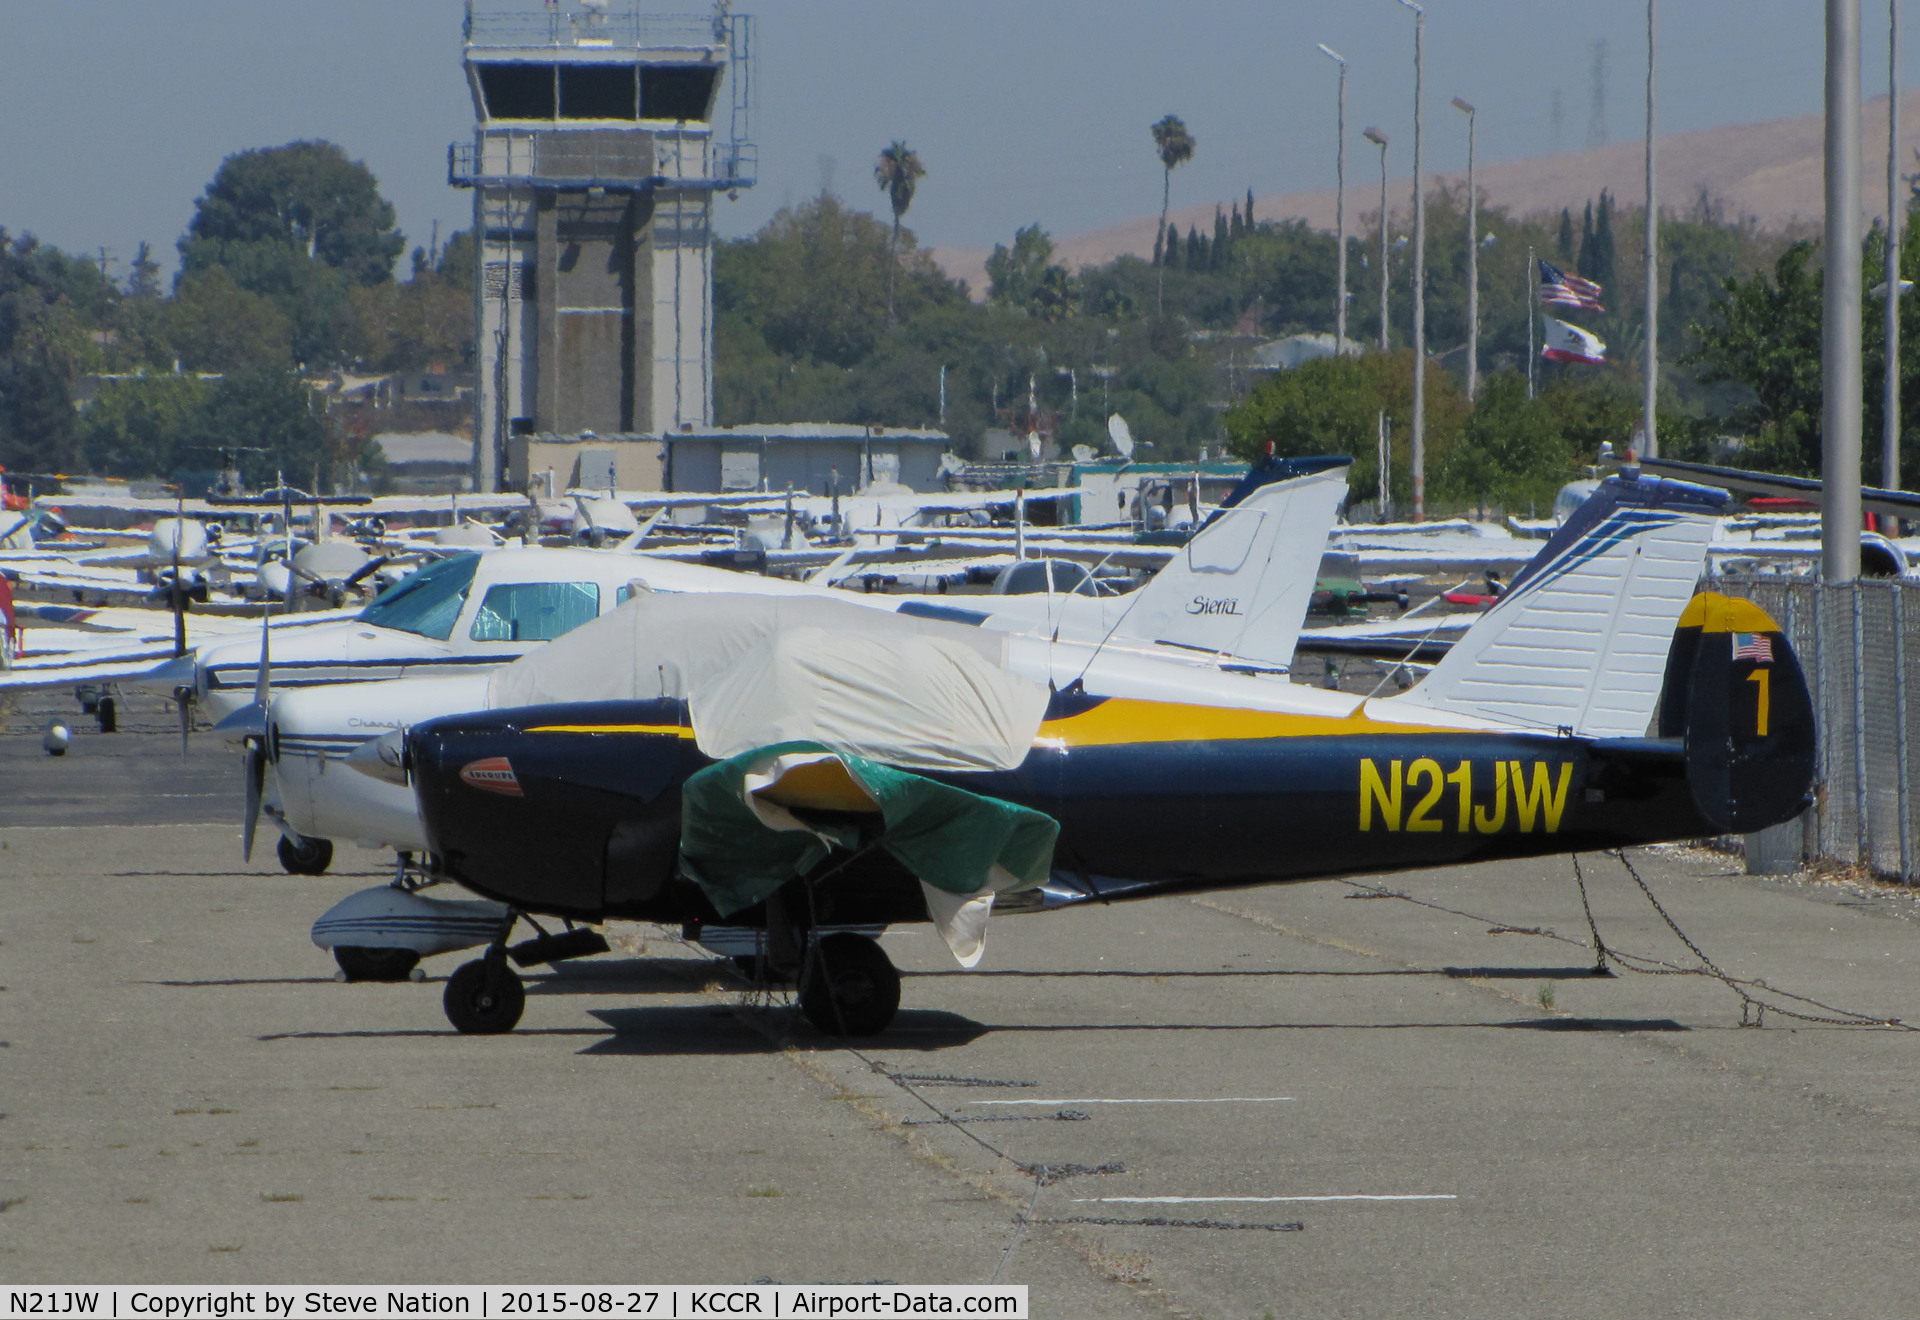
(1859, 644)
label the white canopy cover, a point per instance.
(920, 694)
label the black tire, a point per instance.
(850, 987)
(108, 713)
(308, 857)
(364, 964)
(484, 1001)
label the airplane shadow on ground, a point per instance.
(714, 1029)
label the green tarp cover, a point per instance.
(951, 839)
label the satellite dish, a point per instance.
(1033, 445)
(1122, 437)
(1083, 453)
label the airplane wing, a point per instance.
(1893, 503)
(805, 723)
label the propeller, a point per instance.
(258, 742)
(364, 571)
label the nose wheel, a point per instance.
(485, 997)
(850, 987)
(307, 857)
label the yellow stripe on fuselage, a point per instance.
(664, 730)
(1120, 720)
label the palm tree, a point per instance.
(898, 172)
(1175, 145)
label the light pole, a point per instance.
(1840, 310)
(1379, 140)
(1418, 439)
(1340, 209)
(1473, 262)
(1650, 438)
(1890, 399)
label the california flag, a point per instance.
(1569, 343)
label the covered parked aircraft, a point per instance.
(774, 772)
(1238, 591)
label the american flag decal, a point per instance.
(1753, 646)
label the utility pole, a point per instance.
(1418, 440)
(1473, 261)
(1650, 438)
(1890, 400)
(1340, 210)
(1840, 312)
(1379, 140)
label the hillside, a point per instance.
(1771, 171)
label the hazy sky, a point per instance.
(119, 111)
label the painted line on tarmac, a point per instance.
(1222, 1100)
(1263, 1200)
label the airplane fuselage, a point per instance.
(574, 810)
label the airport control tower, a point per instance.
(601, 136)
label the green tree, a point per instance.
(306, 196)
(145, 426)
(813, 282)
(213, 324)
(51, 304)
(1764, 334)
(269, 408)
(1332, 405)
(898, 172)
(1512, 450)
(1175, 146)
(1013, 274)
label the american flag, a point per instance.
(1753, 646)
(1559, 289)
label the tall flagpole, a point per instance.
(1340, 211)
(1650, 443)
(1532, 316)
(1473, 260)
(1379, 140)
(1840, 384)
(1418, 439)
(1890, 399)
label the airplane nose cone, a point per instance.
(178, 672)
(383, 758)
(248, 722)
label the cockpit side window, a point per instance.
(427, 602)
(535, 611)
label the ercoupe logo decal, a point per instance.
(1209, 605)
(493, 775)
(1536, 805)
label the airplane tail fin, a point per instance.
(1734, 692)
(1240, 585)
(1580, 639)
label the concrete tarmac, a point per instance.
(189, 1097)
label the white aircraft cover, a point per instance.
(900, 697)
(858, 679)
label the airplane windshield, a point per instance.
(427, 602)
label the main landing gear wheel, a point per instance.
(485, 998)
(308, 857)
(850, 988)
(363, 964)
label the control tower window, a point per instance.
(517, 91)
(597, 91)
(682, 92)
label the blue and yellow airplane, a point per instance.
(799, 791)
